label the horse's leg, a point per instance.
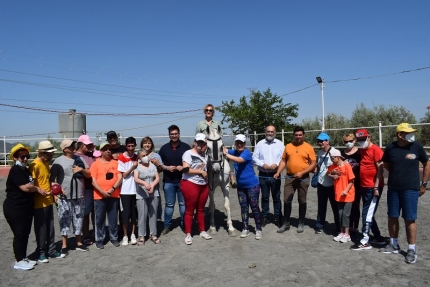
(225, 191)
(212, 227)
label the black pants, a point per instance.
(44, 230)
(20, 223)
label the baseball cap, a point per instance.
(336, 152)
(104, 144)
(323, 137)
(361, 134)
(85, 139)
(66, 143)
(240, 137)
(200, 137)
(406, 128)
(111, 134)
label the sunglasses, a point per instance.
(351, 141)
(24, 156)
(208, 110)
(320, 141)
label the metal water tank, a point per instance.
(72, 125)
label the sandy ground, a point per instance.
(289, 259)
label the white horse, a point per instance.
(218, 175)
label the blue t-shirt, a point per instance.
(245, 175)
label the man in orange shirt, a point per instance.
(299, 159)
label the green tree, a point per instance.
(261, 110)
(333, 121)
(424, 131)
(392, 115)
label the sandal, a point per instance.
(154, 239)
(141, 241)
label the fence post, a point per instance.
(255, 138)
(283, 140)
(380, 133)
(4, 150)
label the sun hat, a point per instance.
(406, 128)
(17, 148)
(85, 139)
(240, 137)
(200, 137)
(66, 143)
(336, 152)
(103, 144)
(46, 146)
(361, 134)
(323, 137)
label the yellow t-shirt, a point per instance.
(299, 157)
(40, 173)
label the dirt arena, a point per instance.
(288, 259)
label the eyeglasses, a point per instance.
(26, 156)
(351, 141)
(208, 110)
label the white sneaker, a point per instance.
(346, 238)
(258, 234)
(23, 265)
(339, 237)
(188, 240)
(245, 233)
(133, 240)
(205, 235)
(124, 241)
(32, 262)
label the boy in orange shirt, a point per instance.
(344, 192)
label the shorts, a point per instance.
(89, 201)
(404, 200)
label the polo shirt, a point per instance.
(173, 156)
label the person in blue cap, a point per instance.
(325, 189)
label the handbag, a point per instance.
(314, 180)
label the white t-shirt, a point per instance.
(124, 164)
(196, 162)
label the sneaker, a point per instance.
(115, 243)
(23, 265)
(283, 228)
(42, 259)
(318, 231)
(133, 240)
(258, 234)
(378, 241)
(205, 235)
(345, 238)
(188, 240)
(360, 247)
(411, 256)
(301, 228)
(339, 237)
(390, 248)
(245, 233)
(124, 241)
(32, 262)
(99, 245)
(81, 248)
(59, 255)
(165, 231)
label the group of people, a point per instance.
(122, 184)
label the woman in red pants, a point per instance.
(194, 187)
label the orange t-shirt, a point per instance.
(99, 169)
(298, 158)
(345, 175)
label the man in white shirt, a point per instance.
(267, 155)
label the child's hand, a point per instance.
(344, 193)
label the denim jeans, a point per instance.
(325, 193)
(102, 207)
(171, 191)
(270, 185)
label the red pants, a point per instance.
(195, 197)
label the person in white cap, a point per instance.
(248, 188)
(401, 158)
(85, 150)
(43, 204)
(69, 171)
(194, 187)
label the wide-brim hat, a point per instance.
(46, 146)
(17, 148)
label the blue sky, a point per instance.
(174, 56)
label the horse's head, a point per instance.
(215, 144)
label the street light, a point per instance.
(321, 82)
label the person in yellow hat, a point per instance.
(18, 206)
(401, 158)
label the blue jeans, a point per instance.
(171, 191)
(102, 207)
(270, 185)
(325, 193)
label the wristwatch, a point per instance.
(424, 183)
